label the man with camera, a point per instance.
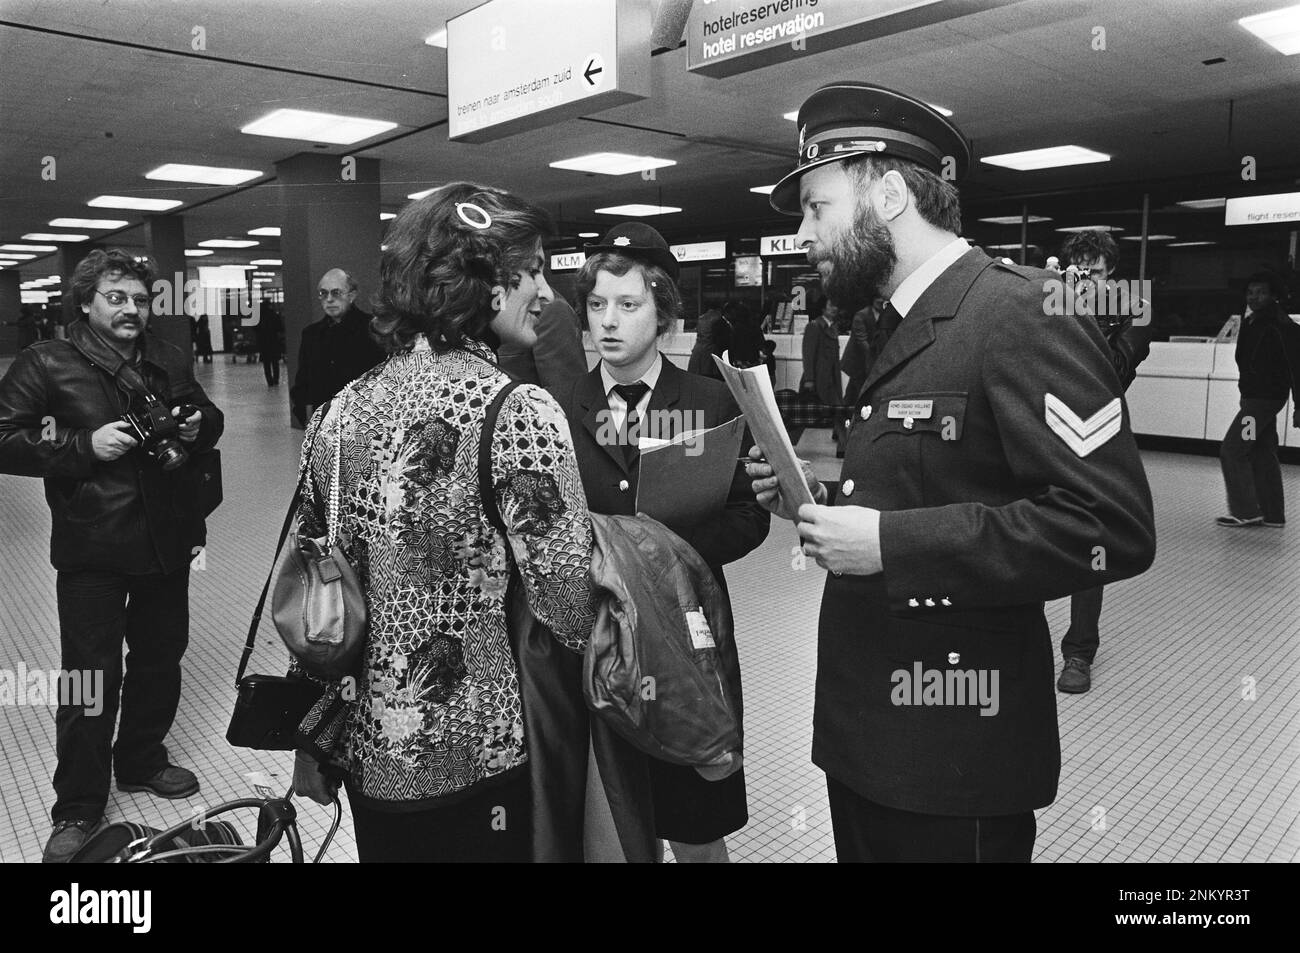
(112, 419)
(1093, 256)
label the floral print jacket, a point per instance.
(437, 706)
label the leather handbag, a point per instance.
(317, 602)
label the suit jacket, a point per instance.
(331, 356)
(557, 359)
(821, 362)
(611, 487)
(1009, 478)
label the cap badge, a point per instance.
(622, 240)
(813, 149)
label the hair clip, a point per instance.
(484, 220)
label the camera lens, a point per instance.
(170, 455)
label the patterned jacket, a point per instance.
(436, 709)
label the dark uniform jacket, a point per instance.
(1265, 354)
(331, 356)
(611, 486)
(125, 515)
(821, 362)
(1017, 481)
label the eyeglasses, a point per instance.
(119, 298)
(326, 293)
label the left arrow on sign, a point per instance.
(594, 66)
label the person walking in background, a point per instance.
(334, 350)
(270, 347)
(202, 339)
(712, 337)
(1268, 366)
(821, 365)
(1093, 256)
(746, 339)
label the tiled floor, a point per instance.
(1186, 749)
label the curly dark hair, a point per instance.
(113, 264)
(437, 276)
(667, 299)
(1089, 246)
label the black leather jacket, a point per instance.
(126, 515)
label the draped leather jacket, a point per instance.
(126, 515)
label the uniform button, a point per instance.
(930, 603)
(846, 489)
(866, 412)
(953, 658)
(946, 601)
(623, 485)
(912, 603)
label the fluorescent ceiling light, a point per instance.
(125, 201)
(437, 39)
(17, 257)
(1188, 244)
(1052, 157)
(1091, 228)
(762, 189)
(87, 223)
(227, 243)
(1008, 245)
(612, 163)
(197, 252)
(637, 210)
(266, 262)
(420, 195)
(54, 237)
(387, 216)
(1014, 220)
(588, 234)
(201, 174)
(1150, 238)
(1204, 203)
(270, 230)
(316, 127)
(27, 248)
(792, 116)
(1280, 29)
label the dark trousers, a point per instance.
(271, 368)
(1082, 639)
(867, 832)
(489, 826)
(1251, 472)
(98, 611)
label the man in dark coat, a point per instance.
(1095, 254)
(712, 337)
(126, 523)
(990, 467)
(270, 348)
(821, 366)
(557, 359)
(336, 349)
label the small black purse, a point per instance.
(269, 708)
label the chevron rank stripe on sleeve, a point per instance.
(1083, 436)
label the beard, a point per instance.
(860, 261)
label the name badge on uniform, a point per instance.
(910, 410)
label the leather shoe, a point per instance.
(1076, 677)
(171, 782)
(67, 838)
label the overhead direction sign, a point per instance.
(515, 65)
(1262, 209)
(725, 37)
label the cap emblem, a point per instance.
(813, 149)
(622, 240)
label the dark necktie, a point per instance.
(631, 394)
(886, 325)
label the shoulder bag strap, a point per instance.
(284, 533)
(485, 457)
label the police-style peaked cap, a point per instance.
(847, 119)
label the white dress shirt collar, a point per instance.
(914, 285)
